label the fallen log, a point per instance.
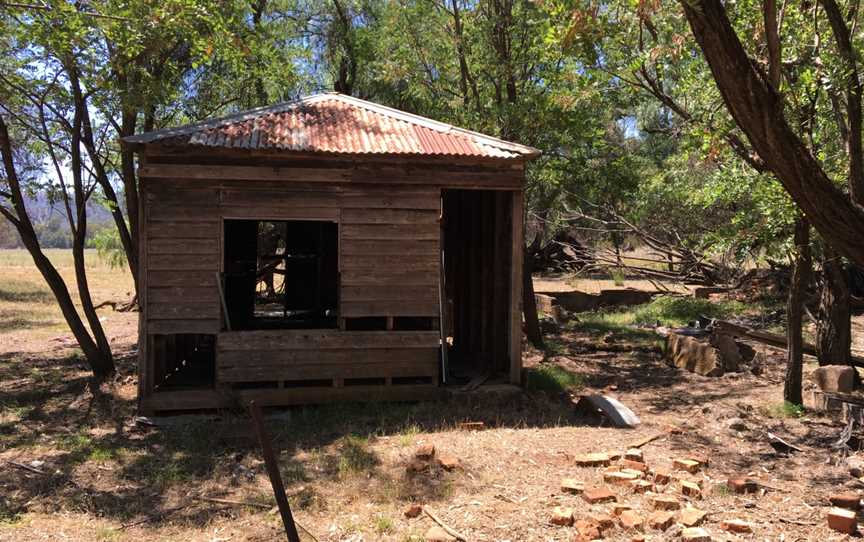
(771, 339)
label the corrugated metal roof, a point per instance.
(336, 123)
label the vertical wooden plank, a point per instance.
(145, 361)
(499, 291)
(516, 264)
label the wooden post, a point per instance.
(516, 263)
(145, 356)
(273, 472)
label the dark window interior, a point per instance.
(281, 274)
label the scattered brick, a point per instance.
(691, 517)
(638, 538)
(471, 426)
(571, 485)
(634, 454)
(416, 465)
(849, 501)
(413, 510)
(621, 477)
(448, 462)
(612, 468)
(641, 486)
(688, 465)
(691, 489)
(425, 451)
(736, 526)
(661, 520)
(743, 485)
(629, 464)
(593, 460)
(631, 520)
(662, 476)
(604, 520)
(842, 520)
(665, 502)
(614, 456)
(619, 508)
(695, 534)
(588, 529)
(562, 516)
(597, 495)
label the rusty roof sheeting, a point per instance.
(339, 124)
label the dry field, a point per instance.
(102, 477)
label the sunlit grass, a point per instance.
(549, 377)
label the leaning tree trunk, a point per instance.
(794, 313)
(834, 326)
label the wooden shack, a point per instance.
(326, 249)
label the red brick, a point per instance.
(691, 517)
(849, 501)
(634, 454)
(641, 486)
(743, 485)
(425, 451)
(620, 477)
(843, 520)
(562, 516)
(592, 460)
(691, 489)
(662, 476)
(448, 462)
(588, 529)
(413, 510)
(695, 534)
(736, 526)
(631, 520)
(634, 465)
(688, 465)
(617, 509)
(661, 520)
(596, 495)
(665, 502)
(604, 520)
(570, 485)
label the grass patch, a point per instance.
(783, 410)
(617, 275)
(383, 525)
(354, 455)
(548, 377)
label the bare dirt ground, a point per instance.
(102, 477)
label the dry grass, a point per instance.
(344, 465)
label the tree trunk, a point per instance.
(759, 112)
(834, 326)
(794, 313)
(529, 302)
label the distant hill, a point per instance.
(52, 228)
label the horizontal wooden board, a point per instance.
(279, 198)
(391, 231)
(412, 294)
(305, 396)
(201, 172)
(155, 327)
(400, 247)
(324, 339)
(390, 277)
(385, 262)
(280, 213)
(353, 309)
(394, 200)
(182, 213)
(196, 230)
(173, 194)
(187, 400)
(183, 262)
(389, 216)
(317, 371)
(182, 294)
(305, 356)
(183, 310)
(205, 279)
(181, 245)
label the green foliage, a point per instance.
(783, 410)
(678, 311)
(108, 247)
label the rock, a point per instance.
(413, 510)
(437, 534)
(634, 454)
(448, 462)
(835, 378)
(665, 502)
(691, 517)
(661, 520)
(736, 526)
(425, 451)
(694, 355)
(691, 489)
(689, 465)
(737, 424)
(588, 529)
(743, 485)
(631, 520)
(592, 460)
(855, 464)
(597, 495)
(562, 516)
(571, 485)
(728, 350)
(695, 534)
(849, 501)
(842, 520)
